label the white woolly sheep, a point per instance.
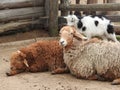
(40, 56)
(93, 59)
(92, 26)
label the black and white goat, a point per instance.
(92, 26)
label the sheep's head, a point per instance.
(72, 20)
(18, 60)
(67, 33)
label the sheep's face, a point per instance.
(66, 36)
(67, 33)
(17, 60)
(71, 20)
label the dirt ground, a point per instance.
(42, 80)
(24, 35)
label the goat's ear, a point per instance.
(65, 17)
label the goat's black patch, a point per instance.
(84, 28)
(110, 29)
(79, 17)
(79, 24)
(99, 16)
(92, 16)
(96, 23)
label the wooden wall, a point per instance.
(15, 14)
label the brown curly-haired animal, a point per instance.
(37, 57)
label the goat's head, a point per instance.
(67, 33)
(72, 20)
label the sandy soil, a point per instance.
(24, 36)
(42, 80)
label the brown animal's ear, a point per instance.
(24, 58)
(26, 63)
(78, 35)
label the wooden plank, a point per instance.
(63, 11)
(92, 7)
(47, 12)
(114, 18)
(22, 13)
(17, 25)
(47, 7)
(53, 17)
(117, 29)
(10, 4)
(12, 1)
(91, 1)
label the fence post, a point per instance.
(53, 17)
(77, 12)
(64, 3)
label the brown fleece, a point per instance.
(37, 57)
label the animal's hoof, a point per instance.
(115, 82)
(53, 73)
(8, 74)
(100, 78)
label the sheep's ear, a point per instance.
(26, 63)
(79, 36)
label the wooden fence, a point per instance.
(64, 7)
(17, 14)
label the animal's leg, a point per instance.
(116, 82)
(113, 37)
(60, 70)
(96, 77)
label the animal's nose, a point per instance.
(62, 42)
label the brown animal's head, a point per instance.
(18, 60)
(67, 33)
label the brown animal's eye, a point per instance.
(71, 33)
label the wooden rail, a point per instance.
(92, 7)
(21, 13)
(13, 4)
(46, 10)
(17, 14)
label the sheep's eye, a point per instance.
(71, 33)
